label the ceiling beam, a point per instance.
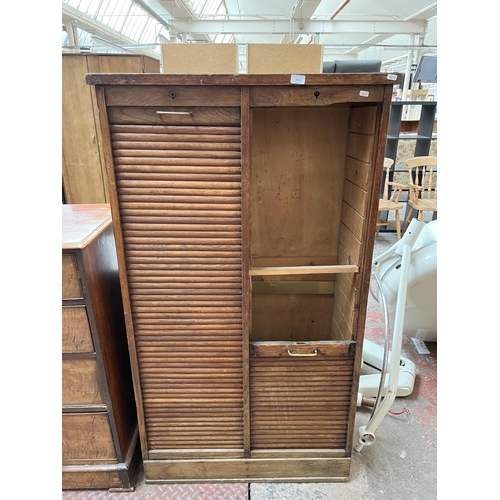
(175, 10)
(145, 5)
(304, 9)
(282, 27)
(146, 8)
(425, 13)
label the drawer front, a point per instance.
(76, 336)
(71, 284)
(314, 95)
(87, 436)
(80, 382)
(163, 115)
(172, 96)
(300, 394)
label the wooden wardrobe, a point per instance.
(244, 209)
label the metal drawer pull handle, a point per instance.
(314, 353)
(173, 112)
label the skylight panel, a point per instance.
(206, 8)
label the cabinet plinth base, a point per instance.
(90, 477)
(118, 477)
(248, 470)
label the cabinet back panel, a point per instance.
(292, 317)
(298, 157)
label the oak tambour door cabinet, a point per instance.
(100, 445)
(244, 209)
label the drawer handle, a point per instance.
(314, 353)
(173, 112)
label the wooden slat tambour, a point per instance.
(157, 179)
(146, 131)
(300, 402)
(179, 195)
(182, 142)
(120, 161)
(173, 153)
(159, 172)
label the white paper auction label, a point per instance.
(390, 76)
(364, 93)
(298, 79)
(420, 345)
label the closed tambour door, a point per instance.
(179, 197)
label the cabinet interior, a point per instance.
(310, 170)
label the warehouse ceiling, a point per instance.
(388, 30)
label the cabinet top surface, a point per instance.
(82, 223)
(243, 79)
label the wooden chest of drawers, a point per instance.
(100, 447)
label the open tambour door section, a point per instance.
(310, 174)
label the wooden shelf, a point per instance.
(277, 271)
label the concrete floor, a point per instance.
(402, 463)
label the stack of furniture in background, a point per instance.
(422, 185)
(83, 172)
(389, 202)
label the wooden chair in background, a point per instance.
(422, 185)
(388, 203)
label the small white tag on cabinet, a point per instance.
(298, 79)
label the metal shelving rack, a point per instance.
(423, 137)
